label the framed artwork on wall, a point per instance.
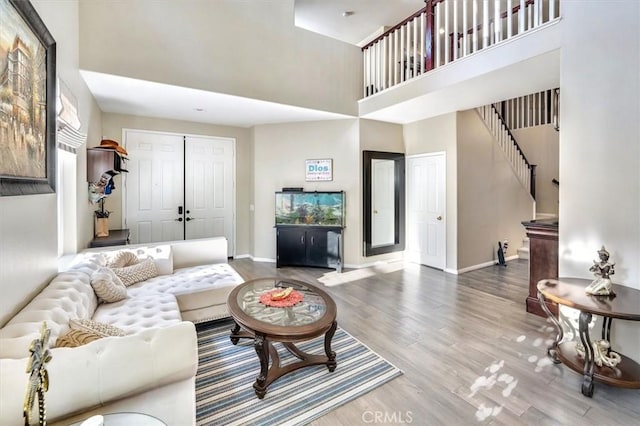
(319, 170)
(27, 101)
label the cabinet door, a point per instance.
(290, 246)
(98, 162)
(317, 247)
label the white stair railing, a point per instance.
(524, 171)
(536, 109)
(444, 31)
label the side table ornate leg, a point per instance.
(234, 333)
(552, 350)
(331, 355)
(583, 330)
(262, 349)
(606, 329)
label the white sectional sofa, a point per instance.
(151, 368)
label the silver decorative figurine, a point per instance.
(602, 269)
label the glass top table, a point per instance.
(310, 309)
(121, 419)
(311, 317)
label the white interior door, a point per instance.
(426, 221)
(154, 186)
(382, 202)
(209, 188)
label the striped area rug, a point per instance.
(226, 373)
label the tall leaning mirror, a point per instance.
(383, 202)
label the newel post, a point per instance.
(533, 180)
(429, 33)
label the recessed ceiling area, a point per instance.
(117, 94)
(122, 95)
(352, 21)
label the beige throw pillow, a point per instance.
(135, 273)
(75, 338)
(84, 331)
(107, 286)
(99, 328)
(122, 258)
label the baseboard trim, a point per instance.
(262, 259)
(484, 265)
(243, 256)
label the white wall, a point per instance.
(279, 161)
(112, 125)
(492, 204)
(541, 145)
(436, 135)
(28, 224)
(244, 48)
(599, 149)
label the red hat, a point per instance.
(108, 143)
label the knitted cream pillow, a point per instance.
(100, 328)
(84, 331)
(135, 273)
(107, 286)
(122, 258)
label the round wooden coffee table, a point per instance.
(313, 316)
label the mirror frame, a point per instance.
(399, 200)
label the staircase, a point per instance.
(524, 171)
(523, 252)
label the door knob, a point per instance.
(188, 219)
(439, 217)
(179, 219)
(375, 212)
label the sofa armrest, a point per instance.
(104, 370)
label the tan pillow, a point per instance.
(84, 331)
(99, 328)
(107, 286)
(122, 258)
(136, 273)
(75, 338)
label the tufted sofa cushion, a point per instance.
(195, 287)
(144, 311)
(68, 296)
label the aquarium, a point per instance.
(310, 208)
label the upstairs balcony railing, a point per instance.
(446, 30)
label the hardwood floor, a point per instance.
(469, 352)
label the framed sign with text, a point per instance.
(319, 170)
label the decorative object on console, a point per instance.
(38, 376)
(603, 270)
(102, 221)
(281, 298)
(602, 353)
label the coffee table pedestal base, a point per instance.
(266, 351)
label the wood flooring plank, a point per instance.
(450, 334)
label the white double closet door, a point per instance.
(179, 187)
